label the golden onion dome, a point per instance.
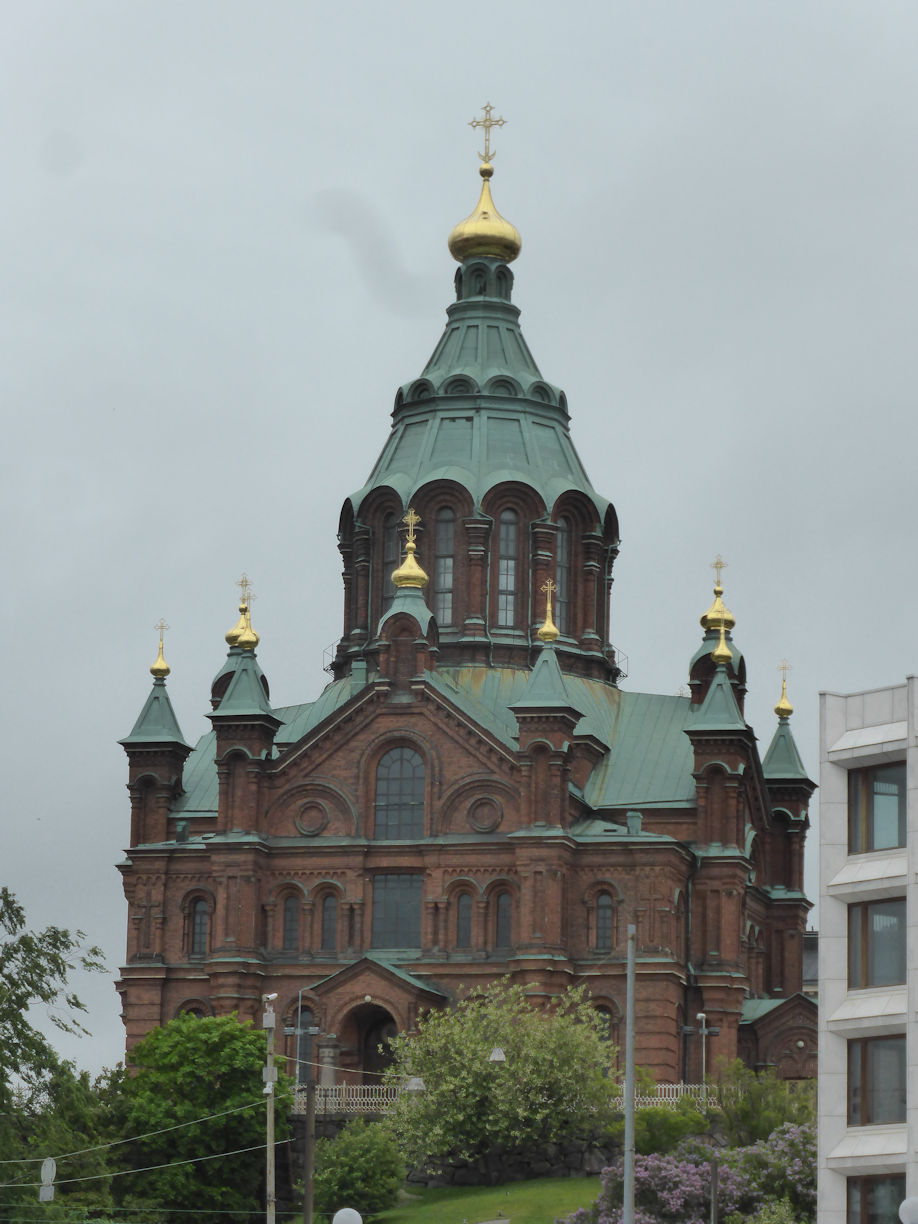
(233, 635)
(718, 615)
(485, 232)
(722, 654)
(160, 669)
(784, 709)
(549, 631)
(248, 638)
(409, 573)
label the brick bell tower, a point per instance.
(474, 794)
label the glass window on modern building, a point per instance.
(876, 808)
(875, 1200)
(876, 1081)
(876, 944)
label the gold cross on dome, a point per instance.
(549, 586)
(487, 123)
(245, 589)
(412, 520)
(719, 565)
(784, 667)
(161, 628)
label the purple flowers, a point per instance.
(676, 1188)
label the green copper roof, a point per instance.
(545, 689)
(782, 760)
(481, 414)
(718, 711)
(157, 723)
(245, 694)
(411, 601)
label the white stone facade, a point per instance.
(868, 953)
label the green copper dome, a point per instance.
(480, 413)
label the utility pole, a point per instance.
(309, 1145)
(628, 1203)
(270, 1078)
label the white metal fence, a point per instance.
(379, 1098)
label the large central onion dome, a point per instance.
(485, 232)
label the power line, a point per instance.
(169, 1164)
(136, 1138)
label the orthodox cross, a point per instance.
(245, 589)
(487, 123)
(549, 587)
(718, 565)
(161, 628)
(784, 667)
(412, 520)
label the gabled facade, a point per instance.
(474, 794)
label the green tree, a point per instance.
(34, 971)
(551, 1085)
(752, 1104)
(360, 1168)
(209, 1072)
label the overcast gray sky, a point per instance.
(224, 247)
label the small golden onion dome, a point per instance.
(784, 709)
(232, 636)
(549, 631)
(721, 652)
(160, 669)
(718, 616)
(485, 232)
(409, 573)
(248, 638)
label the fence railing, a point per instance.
(379, 1098)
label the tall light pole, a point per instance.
(270, 1078)
(628, 1197)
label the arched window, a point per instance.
(443, 565)
(563, 567)
(390, 558)
(604, 922)
(290, 941)
(400, 795)
(464, 921)
(504, 907)
(200, 920)
(329, 923)
(507, 565)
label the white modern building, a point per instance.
(868, 954)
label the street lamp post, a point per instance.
(270, 1078)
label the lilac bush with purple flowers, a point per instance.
(676, 1188)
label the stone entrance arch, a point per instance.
(365, 1034)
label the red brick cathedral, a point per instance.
(474, 794)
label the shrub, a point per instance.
(752, 1105)
(659, 1129)
(361, 1168)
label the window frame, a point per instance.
(862, 814)
(199, 928)
(444, 566)
(564, 574)
(862, 1185)
(863, 1090)
(393, 910)
(328, 927)
(464, 913)
(605, 917)
(290, 923)
(509, 569)
(400, 815)
(866, 945)
(503, 920)
(390, 556)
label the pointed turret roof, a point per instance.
(156, 723)
(546, 689)
(782, 760)
(245, 693)
(718, 711)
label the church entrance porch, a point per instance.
(365, 1034)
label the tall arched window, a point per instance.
(563, 567)
(508, 548)
(443, 565)
(390, 558)
(329, 923)
(291, 932)
(200, 920)
(503, 922)
(464, 921)
(400, 795)
(604, 922)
